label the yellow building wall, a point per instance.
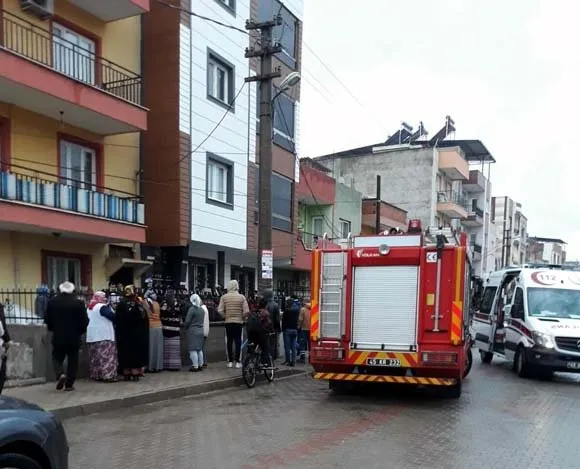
(120, 40)
(21, 254)
(35, 153)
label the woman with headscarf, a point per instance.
(132, 335)
(194, 327)
(101, 339)
(170, 323)
(155, 335)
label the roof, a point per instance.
(314, 164)
(474, 150)
(374, 200)
(546, 240)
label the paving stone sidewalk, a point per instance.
(91, 397)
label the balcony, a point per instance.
(31, 204)
(113, 10)
(49, 75)
(476, 251)
(453, 164)
(452, 205)
(315, 187)
(475, 183)
(474, 218)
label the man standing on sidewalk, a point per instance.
(67, 319)
(233, 307)
(274, 311)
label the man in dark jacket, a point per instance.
(274, 311)
(290, 331)
(67, 319)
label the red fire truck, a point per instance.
(392, 309)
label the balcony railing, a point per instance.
(476, 212)
(309, 240)
(477, 248)
(70, 196)
(452, 197)
(46, 48)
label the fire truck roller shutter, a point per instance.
(385, 307)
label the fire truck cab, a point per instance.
(392, 309)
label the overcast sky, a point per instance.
(506, 71)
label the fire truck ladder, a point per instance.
(331, 294)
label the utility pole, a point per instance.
(265, 52)
(378, 208)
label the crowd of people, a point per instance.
(129, 334)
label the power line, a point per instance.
(205, 18)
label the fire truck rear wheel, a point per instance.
(486, 357)
(469, 363)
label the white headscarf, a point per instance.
(195, 300)
(67, 287)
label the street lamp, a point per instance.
(265, 253)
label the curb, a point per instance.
(149, 397)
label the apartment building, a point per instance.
(511, 232)
(325, 207)
(542, 250)
(428, 178)
(70, 119)
(199, 155)
(286, 142)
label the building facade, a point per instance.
(200, 156)
(286, 143)
(71, 114)
(427, 179)
(542, 250)
(511, 233)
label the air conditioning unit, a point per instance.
(43, 9)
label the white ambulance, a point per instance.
(531, 317)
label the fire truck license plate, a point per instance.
(391, 362)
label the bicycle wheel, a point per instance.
(249, 370)
(269, 372)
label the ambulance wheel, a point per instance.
(454, 392)
(521, 366)
(486, 357)
(469, 363)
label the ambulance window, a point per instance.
(518, 306)
(487, 300)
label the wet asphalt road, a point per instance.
(500, 421)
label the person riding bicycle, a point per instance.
(258, 327)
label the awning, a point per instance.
(139, 267)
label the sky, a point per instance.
(507, 72)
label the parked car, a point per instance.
(30, 437)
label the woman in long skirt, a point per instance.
(155, 335)
(194, 328)
(101, 340)
(171, 326)
(132, 335)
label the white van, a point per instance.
(531, 316)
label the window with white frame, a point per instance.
(220, 181)
(73, 54)
(220, 80)
(63, 269)
(78, 165)
(344, 228)
(229, 5)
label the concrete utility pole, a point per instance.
(266, 50)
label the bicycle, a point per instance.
(253, 364)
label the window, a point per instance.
(73, 54)
(285, 33)
(59, 267)
(229, 5)
(282, 203)
(487, 300)
(220, 181)
(284, 122)
(317, 226)
(220, 80)
(344, 229)
(78, 165)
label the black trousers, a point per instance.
(71, 354)
(261, 338)
(234, 337)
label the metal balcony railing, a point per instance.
(477, 248)
(72, 196)
(452, 197)
(476, 212)
(309, 240)
(75, 61)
